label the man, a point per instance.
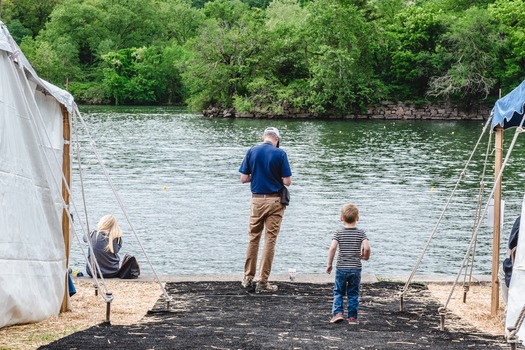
(267, 169)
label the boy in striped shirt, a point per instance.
(353, 246)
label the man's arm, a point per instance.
(245, 178)
(287, 181)
(331, 254)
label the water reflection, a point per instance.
(178, 177)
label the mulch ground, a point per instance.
(221, 315)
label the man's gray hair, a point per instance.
(271, 131)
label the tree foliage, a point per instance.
(223, 53)
(415, 37)
(30, 15)
(470, 51)
(340, 40)
(509, 16)
(327, 56)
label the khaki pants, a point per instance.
(264, 212)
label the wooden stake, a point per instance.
(494, 300)
(66, 169)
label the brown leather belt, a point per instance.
(266, 195)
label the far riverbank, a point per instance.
(385, 111)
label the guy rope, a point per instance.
(44, 140)
(425, 248)
(519, 130)
(478, 216)
(121, 204)
(443, 310)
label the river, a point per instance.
(177, 175)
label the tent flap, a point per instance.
(516, 299)
(508, 110)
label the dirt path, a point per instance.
(132, 300)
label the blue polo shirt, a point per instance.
(267, 165)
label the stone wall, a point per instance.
(385, 111)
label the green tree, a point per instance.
(96, 27)
(221, 54)
(18, 31)
(142, 75)
(340, 46)
(414, 40)
(79, 23)
(56, 63)
(31, 14)
(384, 11)
(280, 72)
(508, 14)
(458, 6)
(470, 50)
(82, 38)
(131, 23)
(179, 20)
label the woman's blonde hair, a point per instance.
(109, 225)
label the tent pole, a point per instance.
(494, 300)
(66, 169)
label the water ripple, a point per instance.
(178, 177)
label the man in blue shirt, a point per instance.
(266, 168)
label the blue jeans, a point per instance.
(347, 282)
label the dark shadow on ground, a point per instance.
(221, 315)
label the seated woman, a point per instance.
(106, 241)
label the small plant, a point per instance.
(243, 104)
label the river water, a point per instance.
(177, 175)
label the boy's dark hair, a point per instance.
(350, 213)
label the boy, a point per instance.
(353, 246)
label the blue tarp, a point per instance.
(508, 110)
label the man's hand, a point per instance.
(245, 178)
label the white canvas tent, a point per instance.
(509, 112)
(516, 297)
(34, 120)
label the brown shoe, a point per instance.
(337, 318)
(247, 283)
(265, 287)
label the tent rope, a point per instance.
(461, 175)
(477, 217)
(121, 204)
(81, 176)
(106, 295)
(92, 263)
(519, 130)
(50, 168)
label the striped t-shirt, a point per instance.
(349, 244)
